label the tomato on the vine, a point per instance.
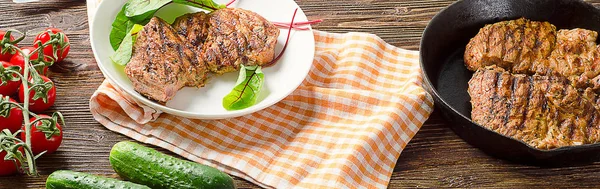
(41, 141)
(10, 87)
(18, 59)
(44, 100)
(7, 167)
(13, 120)
(62, 45)
(5, 56)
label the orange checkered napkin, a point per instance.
(344, 127)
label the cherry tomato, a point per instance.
(39, 105)
(48, 50)
(18, 60)
(7, 168)
(39, 142)
(10, 87)
(14, 121)
(5, 56)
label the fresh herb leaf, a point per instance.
(123, 53)
(203, 4)
(246, 90)
(140, 10)
(120, 27)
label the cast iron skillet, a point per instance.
(442, 48)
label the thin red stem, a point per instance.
(297, 24)
(310, 22)
(286, 41)
(288, 25)
(230, 2)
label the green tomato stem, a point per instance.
(12, 103)
(20, 107)
(30, 160)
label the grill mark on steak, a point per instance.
(527, 52)
(520, 100)
(512, 43)
(504, 43)
(535, 60)
(511, 103)
(499, 109)
(535, 48)
(495, 42)
(521, 42)
(493, 99)
(529, 95)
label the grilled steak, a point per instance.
(161, 64)
(166, 58)
(194, 28)
(518, 45)
(227, 38)
(544, 111)
(530, 47)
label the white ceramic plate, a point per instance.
(205, 103)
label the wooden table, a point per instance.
(436, 157)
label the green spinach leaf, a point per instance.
(123, 53)
(246, 90)
(140, 10)
(203, 4)
(120, 28)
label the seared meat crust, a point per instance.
(227, 38)
(194, 29)
(530, 47)
(238, 37)
(160, 64)
(518, 45)
(544, 111)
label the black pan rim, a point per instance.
(437, 96)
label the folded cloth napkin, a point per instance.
(344, 127)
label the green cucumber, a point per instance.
(149, 167)
(77, 180)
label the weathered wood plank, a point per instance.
(436, 157)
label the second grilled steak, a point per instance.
(530, 47)
(544, 111)
(227, 38)
(518, 45)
